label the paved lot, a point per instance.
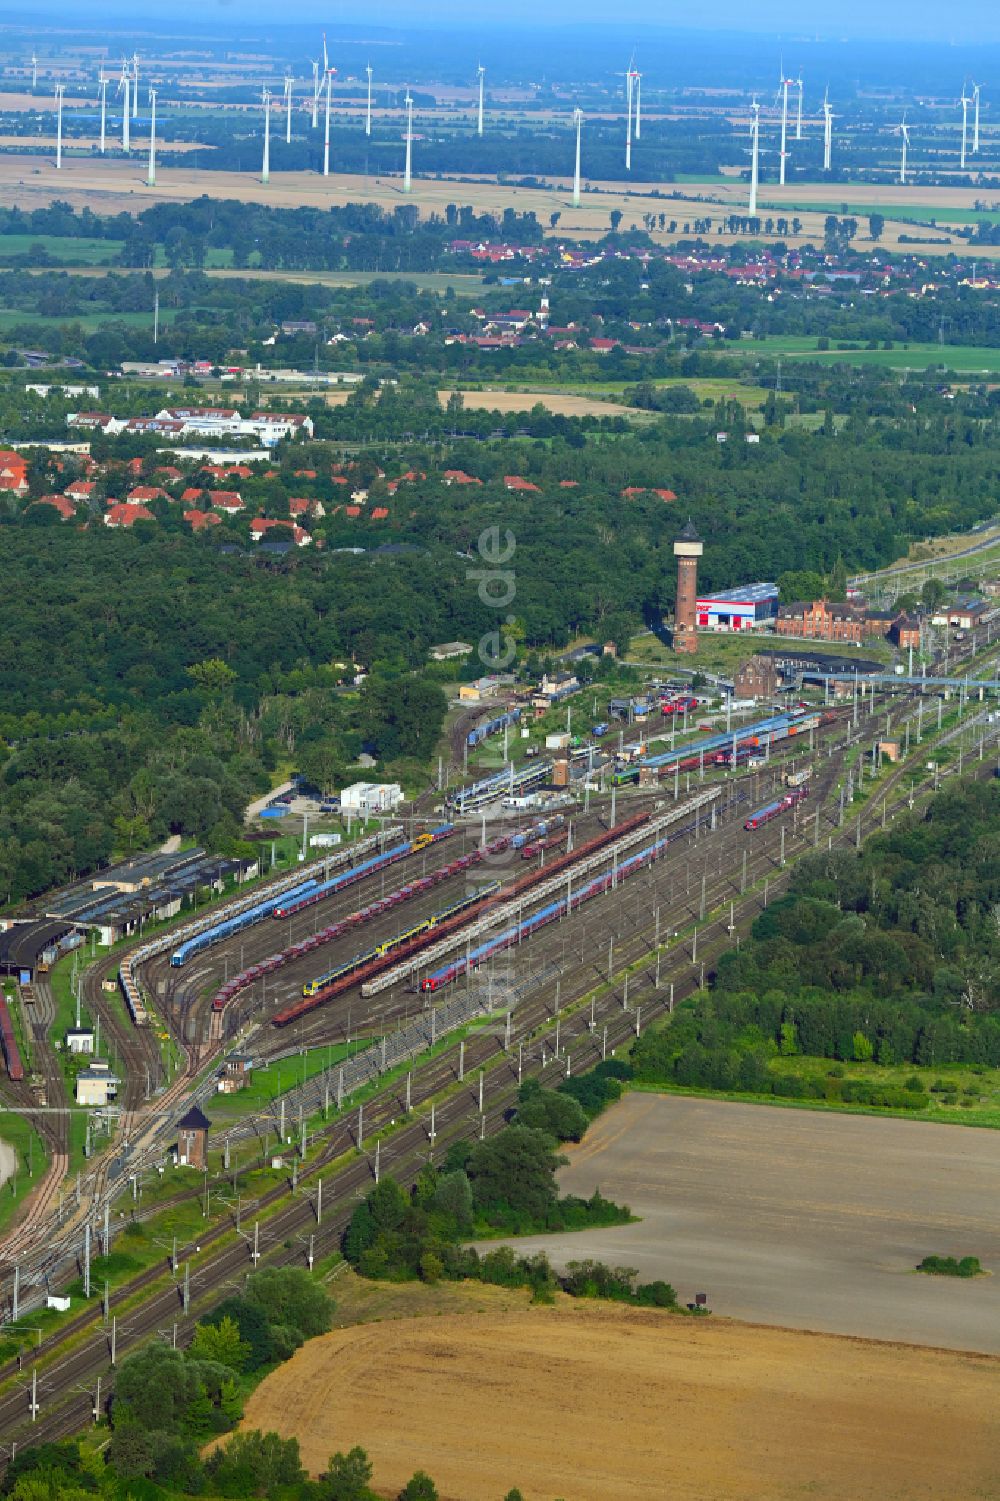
(792, 1217)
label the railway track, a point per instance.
(584, 1037)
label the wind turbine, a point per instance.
(135, 85)
(288, 109)
(784, 85)
(34, 72)
(578, 122)
(60, 88)
(904, 131)
(265, 170)
(638, 106)
(629, 94)
(754, 157)
(104, 110)
(798, 116)
(151, 174)
(965, 101)
(975, 120)
(827, 131)
(482, 76)
(368, 116)
(123, 88)
(407, 174)
(326, 124)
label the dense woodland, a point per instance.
(889, 955)
(153, 680)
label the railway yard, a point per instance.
(435, 972)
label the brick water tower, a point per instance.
(687, 550)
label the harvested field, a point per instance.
(599, 1403)
(116, 186)
(808, 1219)
(562, 404)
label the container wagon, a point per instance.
(776, 808)
(492, 727)
(11, 1051)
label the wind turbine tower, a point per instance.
(135, 85)
(629, 96)
(288, 109)
(578, 122)
(407, 174)
(965, 101)
(798, 116)
(827, 132)
(904, 131)
(124, 88)
(785, 82)
(34, 71)
(638, 106)
(265, 170)
(104, 111)
(482, 76)
(975, 120)
(59, 109)
(754, 157)
(326, 118)
(151, 174)
(368, 115)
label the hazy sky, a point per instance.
(972, 20)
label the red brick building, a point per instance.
(820, 621)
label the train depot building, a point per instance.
(750, 607)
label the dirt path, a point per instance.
(597, 1403)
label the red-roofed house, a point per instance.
(13, 473)
(603, 346)
(379, 513)
(123, 514)
(261, 525)
(226, 500)
(145, 493)
(517, 482)
(134, 466)
(66, 508)
(198, 520)
(80, 489)
(665, 494)
(569, 484)
(191, 495)
(298, 505)
(459, 477)
(633, 491)
(353, 511)
(168, 472)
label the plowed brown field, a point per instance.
(596, 1403)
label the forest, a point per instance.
(889, 955)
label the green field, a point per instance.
(89, 322)
(972, 359)
(81, 252)
(725, 652)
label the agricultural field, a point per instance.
(561, 404)
(967, 359)
(78, 252)
(795, 1217)
(114, 186)
(554, 1399)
